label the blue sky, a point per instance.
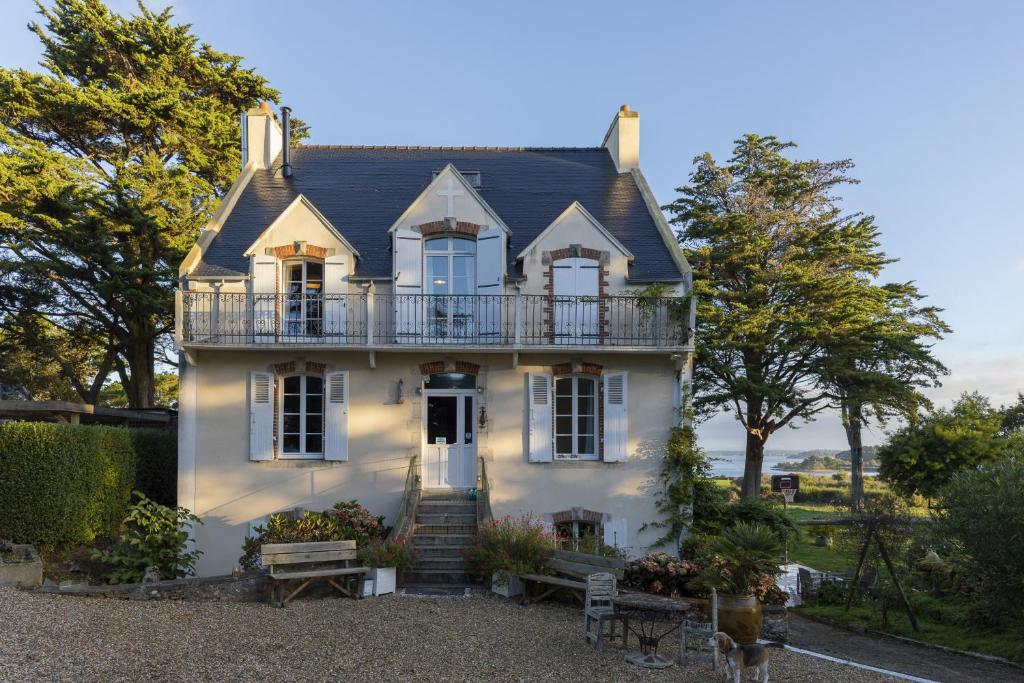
(926, 97)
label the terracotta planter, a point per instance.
(740, 617)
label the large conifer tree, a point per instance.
(775, 264)
(110, 162)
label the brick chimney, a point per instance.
(623, 139)
(261, 137)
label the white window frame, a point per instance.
(302, 454)
(596, 397)
(285, 279)
(456, 307)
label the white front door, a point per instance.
(449, 447)
(577, 313)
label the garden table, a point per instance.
(651, 618)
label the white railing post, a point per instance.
(370, 313)
(517, 317)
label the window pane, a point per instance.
(468, 420)
(440, 244)
(563, 425)
(563, 387)
(314, 403)
(563, 445)
(314, 424)
(563, 405)
(314, 385)
(291, 424)
(291, 443)
(291, 384)
(463, 244)
(292, 404)
(586, 386)
(314, 443)
(295, 272)
(450, 380)
(314, 270)
(586, 444)
(442, 419)
(437, 275)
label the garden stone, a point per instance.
(20, 566)
(151, 575)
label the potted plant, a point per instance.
(740, 561)
(386, 559)
(507, 548)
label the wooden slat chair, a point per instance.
(308, 562)
(598, 609)
(699, 633)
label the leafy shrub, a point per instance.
(741, 558)
(832, 593)
(156, 464)
(154, 535)
(397, 554)
(347, 521)
(981, 515)
(63, 484)
(517, 546)
(662, 574)
(713, 519)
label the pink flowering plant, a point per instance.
(663, 574)
(515, 545)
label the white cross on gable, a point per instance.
(450, 193)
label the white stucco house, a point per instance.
(355, 315)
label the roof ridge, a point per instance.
(453, 148)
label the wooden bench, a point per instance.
(573, 570)
(308, 562)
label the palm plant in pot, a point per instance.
(740, 562)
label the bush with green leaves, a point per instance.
(156, 464)
(398, 554)
(153, 535)
(62, 484)
(980, 514)
(346, 521)
(741, 558)
(515, 545)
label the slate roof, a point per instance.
(363, 190)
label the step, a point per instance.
(442, 507)
(419, 529)
(422, 540)
(440, 551)
(456, 564)
(450, 496)
(445, 518)
(436, 577)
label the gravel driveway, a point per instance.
(54, 637)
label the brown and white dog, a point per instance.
(739, 657)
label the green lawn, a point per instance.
(803, 550)
(942, 622)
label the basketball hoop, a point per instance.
(789, 494)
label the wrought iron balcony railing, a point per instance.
(380, 320)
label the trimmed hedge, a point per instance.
(156, 464)
(63, 484)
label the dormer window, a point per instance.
(450, 276)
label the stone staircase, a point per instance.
(445, 523)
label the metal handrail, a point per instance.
(483, 495)
(410, 499)
(507, 320)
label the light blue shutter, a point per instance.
(616, 417)
(490, 276)
(408, 304)
(336, 416)
(264, 293)
(538, 388)
(261, 416)
(335, 298)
